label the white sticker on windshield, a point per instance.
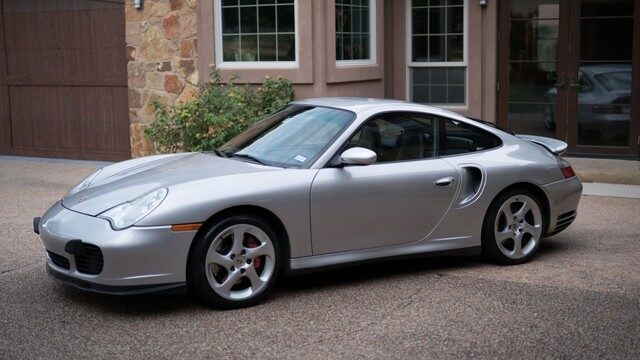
(300, 158)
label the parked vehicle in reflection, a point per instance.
(604, 102)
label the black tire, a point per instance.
(197, 281)
(490, 249)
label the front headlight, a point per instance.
(84, 184)
(129, 213)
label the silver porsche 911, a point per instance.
(321, 183)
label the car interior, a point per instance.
(400, 137)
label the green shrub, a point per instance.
(218, 113)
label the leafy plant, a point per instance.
(217, 114)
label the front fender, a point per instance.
(285, 193)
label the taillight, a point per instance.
(566, 168)
(568, 172)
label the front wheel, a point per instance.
(235, 262)
(513, 227)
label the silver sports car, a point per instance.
(319, 184)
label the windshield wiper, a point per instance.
(219, 153)
(250, 157)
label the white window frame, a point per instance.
(221, 64)
(372, 40)
(414, 64)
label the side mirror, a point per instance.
(358, 156)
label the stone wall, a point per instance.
(162, 60)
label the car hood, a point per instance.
(122, 182)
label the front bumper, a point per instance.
(134, 260)
(564, 197)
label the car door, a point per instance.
(398, 200)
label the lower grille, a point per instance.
(59, 260)
(565, 220)
(89, 259)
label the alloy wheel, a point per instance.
(518, 226)
(240, 262)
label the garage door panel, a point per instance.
(78, 118)
(71, 66)
(62, 45)
(63, 79)
(17, 6)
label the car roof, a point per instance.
(357, 104)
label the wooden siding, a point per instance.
(63, 79)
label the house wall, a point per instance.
(171, 47)
(317, 73)
(162, 60)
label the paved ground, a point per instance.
(580, 298)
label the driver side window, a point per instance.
(398, 137)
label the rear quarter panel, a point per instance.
(516, 161)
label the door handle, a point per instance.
(573, 85)
(446, 181)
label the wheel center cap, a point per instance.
(239, 260)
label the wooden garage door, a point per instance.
(63, 79)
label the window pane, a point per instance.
(456, 94)
(286, 18)
(267, 47)
(460, 138)
(438, 85)
(436, 48)
(249, 47)
(436, 20)
(353, 40)
(348, 47)
(267, 18)
(366, 44)
(248, 23)
(420, 21)
(454, 48)
(230, 21)
(443, 22)
(420, 48)
(265, 29)
(397, 137)
(365, 20)
(455, 19)
(286, 47)
(231, 48)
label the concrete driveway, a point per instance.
(580, 298)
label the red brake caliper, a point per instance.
(252, 243)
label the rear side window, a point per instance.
(456, 137)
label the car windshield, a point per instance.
(292, 137)
(615, 81)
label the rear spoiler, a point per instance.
(555, 146)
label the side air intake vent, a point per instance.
(471, 184)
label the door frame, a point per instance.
(567, 100)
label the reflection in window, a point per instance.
(353, 29)
(258, 30)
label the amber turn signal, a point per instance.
(186, 227)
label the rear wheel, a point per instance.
(513, 227)
(235, 262)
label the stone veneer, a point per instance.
(162, 61)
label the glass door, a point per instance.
(600, 75)
(531, 89)
(570, 70)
